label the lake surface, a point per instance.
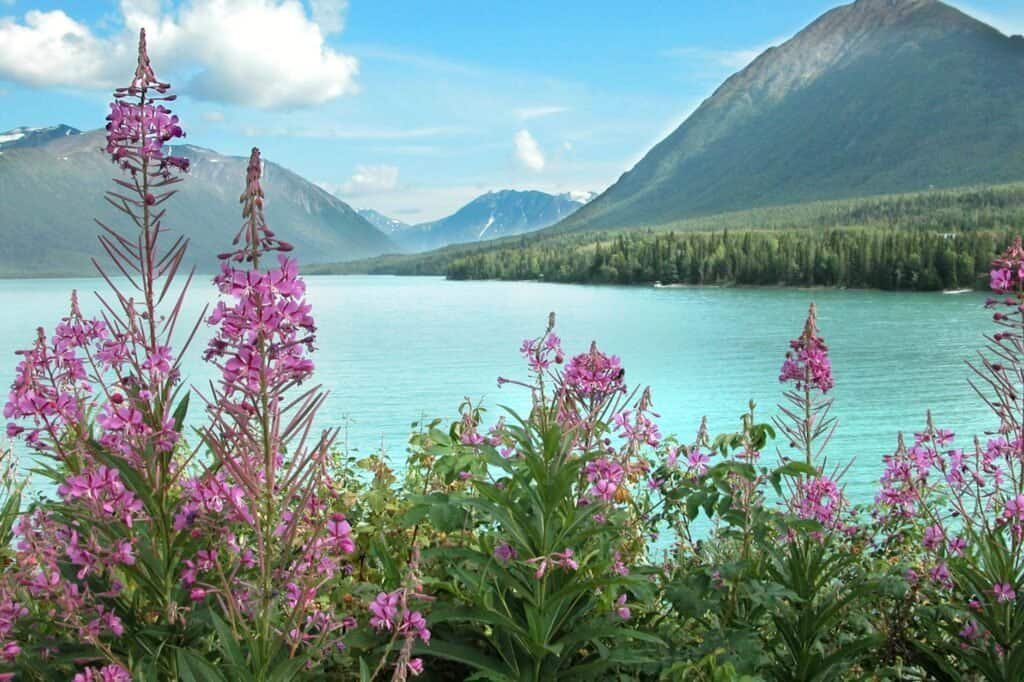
(392, 350)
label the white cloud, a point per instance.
(329, 14)
(370, 180)
(261, 53)
(212, 116)
(528, 151)
(51, 48)
(527, 113)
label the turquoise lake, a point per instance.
(393, 350)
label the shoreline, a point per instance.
(652, 285)
(683, 285)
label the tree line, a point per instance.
(877, 258)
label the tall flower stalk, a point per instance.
(282, 539)
(806, 421)
(139, 127)
(101, 399)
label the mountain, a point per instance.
(34, 137)
(382, 222)
(490, 216)
(874, 97)
(50, 193)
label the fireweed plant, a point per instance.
(573, 540)
(160, 561)
(545, 587)
(964, 505)
(101, 402)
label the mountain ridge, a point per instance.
(46, 237)
(34, 137)
(495, 214)
(868, 98)
(385, 224)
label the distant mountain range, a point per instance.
(874, 97)
(489, 216)
(34, 137)
(382, 222)
(51, 187)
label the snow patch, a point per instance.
(490, 221)
(11, 137)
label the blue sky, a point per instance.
(409, 107)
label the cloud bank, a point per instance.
(261, 53)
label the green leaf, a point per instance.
(193, 668)
(227, 642)
(288, 669)
(796, 468)
(464, 654)
(180, 412)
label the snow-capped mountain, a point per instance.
(490, 216)
(34, 137)
(382, 222)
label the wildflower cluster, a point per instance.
(140, 125)
(266, 508)
(1007, 273)
(243, 528)
(807, 363)
(805, 420)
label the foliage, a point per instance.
(860, 258)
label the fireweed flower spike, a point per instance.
(806, 420)
(1002, 373)
(254, 233)
(267, 489)
(121, 365)
(807, 362)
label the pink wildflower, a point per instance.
(108, 673)
(807, 363)
(384, 608)
(1003, 592)
(505, 552)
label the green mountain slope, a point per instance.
(49, 195)
(541, 255)
(874, 97)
